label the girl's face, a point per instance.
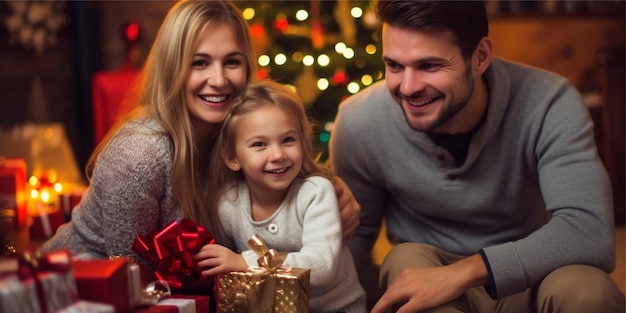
(267, 149)
(218, 73)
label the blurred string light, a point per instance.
(280, 59)
(308, 60)
(264, 60)
(297, 56)
(248, 13)
(302, 15)
(323, 84)
(370, 49)
(328, 126)
(348, 53)
(356, 12)
(281, 23)
(367, 80)
(340, 47)
(353, 87)
(324, 137)
(323, 60)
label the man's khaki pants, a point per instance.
(570, 289)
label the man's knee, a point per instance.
(579, 288)
(406, 255)
(414, 255)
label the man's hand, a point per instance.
(348, 208)
(426, 288)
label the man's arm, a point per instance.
(576, 191)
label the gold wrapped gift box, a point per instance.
(239, 292)
(270, 287)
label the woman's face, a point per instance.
(218, 73)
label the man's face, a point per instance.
(427, 75)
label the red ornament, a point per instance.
(131, 32)
(262, 74)
(257, 30)
(281, 24)
(339, 77)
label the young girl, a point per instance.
(272, 187)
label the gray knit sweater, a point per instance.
(532, 195)
(308, 226)
(130, 194)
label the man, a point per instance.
(485, 171)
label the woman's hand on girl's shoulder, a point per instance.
(349, 208)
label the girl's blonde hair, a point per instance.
(253, 97)
(160, 94)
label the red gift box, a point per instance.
(178, 304)
(13, 195)
(35, 282)
(109, 89)
(171, 251)
(69, 200)
(105, 281)
(82, 306)
(46, 223)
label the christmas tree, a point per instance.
(326, 50)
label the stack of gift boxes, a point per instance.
(13, 195)
(55, 282)
(41, 203)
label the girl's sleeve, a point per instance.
(321, 231)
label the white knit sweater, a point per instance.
(308, 226)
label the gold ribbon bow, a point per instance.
(259, 295)
(154, 292)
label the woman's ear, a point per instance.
(232, 163)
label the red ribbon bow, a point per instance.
(171, 250)
(30, 263)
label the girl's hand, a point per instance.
(214, 259)
(349, 209)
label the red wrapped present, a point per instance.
(105, 281)
(13, 194)
(69, 199)
(171, 251)
(82, 306)
(109, 89)
(178, 304)
(37, 283)
(45, 223)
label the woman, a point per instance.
(152, 167)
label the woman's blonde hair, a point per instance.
(253, 97)
(160, 94)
